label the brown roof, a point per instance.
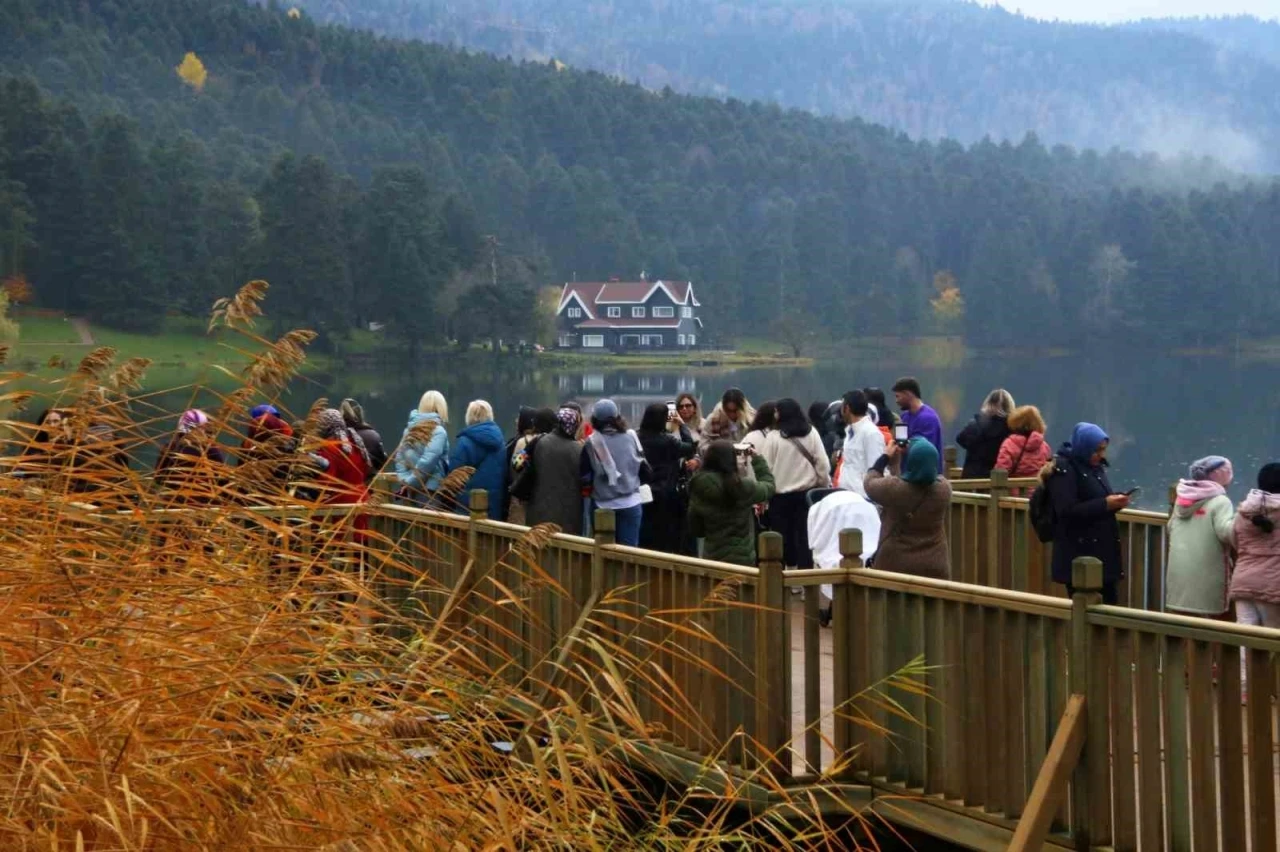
(594, 294)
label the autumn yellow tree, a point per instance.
(192, 71)
(948, 305)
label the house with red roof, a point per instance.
(628, 316)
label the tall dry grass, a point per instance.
(182, 670)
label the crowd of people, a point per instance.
(707, 486)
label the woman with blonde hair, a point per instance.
(982, 438)
(481, 446)
(422, 457)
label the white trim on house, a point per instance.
(686, 312)
(637, 312)
(573, 294)
(593, 341)
(573, 313)
(663, 312)
(613, 313)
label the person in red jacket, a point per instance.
(1025, 451)
(344, 463)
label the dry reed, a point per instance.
(184, 670)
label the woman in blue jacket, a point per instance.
(422, 459)
(482, 447)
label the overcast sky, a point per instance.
(1128, 10)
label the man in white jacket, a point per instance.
(863, 442)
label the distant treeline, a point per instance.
(361, 176)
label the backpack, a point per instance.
(1043, 515)
(526, 476)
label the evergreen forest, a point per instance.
(153, 156)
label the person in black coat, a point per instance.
(668, 453)
(1085, 508)
(982, 438)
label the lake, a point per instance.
(1161, 411)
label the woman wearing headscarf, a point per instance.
(353, 416)
(530, 426)
(912, 530)
(191, 464)
(557, 485)
(266, 454)
(799, 463)
(1201, 541)
(615, 468)
(1085, 508)
(345, 460)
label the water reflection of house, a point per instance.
(632, 391)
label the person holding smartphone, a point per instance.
(1085, 507)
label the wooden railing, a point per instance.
(993, 544)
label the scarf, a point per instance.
(568, 420)
(1192, 491)
(191, 419)
(1085, 440)
(333, 428)
(353, 413)
(601, 456)
(921, 467)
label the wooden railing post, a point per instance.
(949, 457)
(848, 640)
(604, 531)
(773, 660)
(999, 490)
(1086, 582)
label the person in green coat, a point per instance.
(1201, 541)
(722, 504)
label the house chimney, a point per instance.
(643, 275)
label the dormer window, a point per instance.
(637, 313)
(615, 313)
(687, 313)
(574, 313)
(664, 313)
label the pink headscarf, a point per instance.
(192, 418)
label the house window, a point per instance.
(637, 313)
(630, 340)
(593, 382)
(687, 313)
(566, 340)
(574, 313)
(664, 313)
(651, 340)
(680, 339)
(693, 340)
(593, 341)
(614, 313)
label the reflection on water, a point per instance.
(1161, 412)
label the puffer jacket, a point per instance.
(1257, 574)
(982, 440)
(1085, 526)
(422, 466)
(1200, 546)
(1027, 453)
(482, 446)
(722, 512)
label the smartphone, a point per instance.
(743, 449)
(671, 409)
(1133, 492)
(900, 431)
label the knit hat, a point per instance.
(191, 419)
(1213, 468)
(605, 409)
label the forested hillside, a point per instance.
(361, 176)
(931, 68)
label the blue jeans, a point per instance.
(627, 525)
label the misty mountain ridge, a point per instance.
(931, 68)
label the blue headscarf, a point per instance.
(265, 408)
(921, 465)
(1085, 440)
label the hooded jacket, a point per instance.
(1085, 526)
(1026, 453)
(981, 441)
(422, 467)
(721, 512)
(1257, 574)
(482, 446)
(1200, 545)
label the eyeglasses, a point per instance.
(686, 405)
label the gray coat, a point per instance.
(557, 488)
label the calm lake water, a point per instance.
(1161, 411)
